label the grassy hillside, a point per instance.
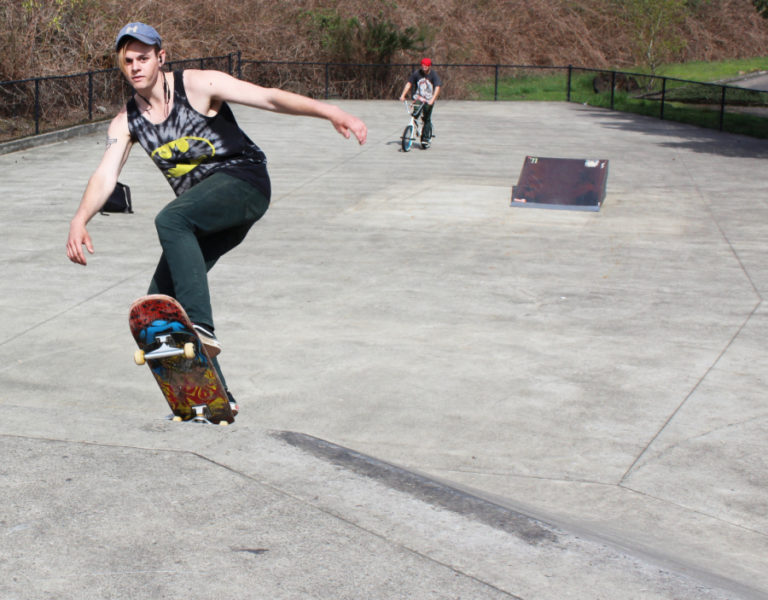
(44, 37)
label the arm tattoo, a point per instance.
(110, 142)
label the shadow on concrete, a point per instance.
(687, 137)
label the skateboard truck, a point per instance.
(202, 415)
(166, 350)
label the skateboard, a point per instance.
(176, 356)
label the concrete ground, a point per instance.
(442, 396)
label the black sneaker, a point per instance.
(212, 346)
(233, 404)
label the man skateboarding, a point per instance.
(184, 123)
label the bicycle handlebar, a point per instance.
(410, 104)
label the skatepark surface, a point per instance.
(442, 395)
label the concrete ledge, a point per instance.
(52, 137)
(425, 488)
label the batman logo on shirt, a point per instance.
(187, 152)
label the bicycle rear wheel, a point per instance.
(407, 140)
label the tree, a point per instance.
(654, 27)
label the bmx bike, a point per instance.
(415, 130)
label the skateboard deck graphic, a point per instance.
(174, 353)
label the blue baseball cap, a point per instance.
(139, 31)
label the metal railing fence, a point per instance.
(712, 105)
(34, 105)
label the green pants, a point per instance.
(426, 132)
(195, 230)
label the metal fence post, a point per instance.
(496, 85)
(239, 64)
(568, 94)
(37, 106)
(663, 96)
(327, 77)
(613, 87)
(722, 107)
(90, 95)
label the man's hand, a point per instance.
(78, 237)
(347, 124)
(99, 187)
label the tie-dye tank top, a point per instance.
(189, 146)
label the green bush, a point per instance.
(372, 40)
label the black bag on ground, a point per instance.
(119, 200)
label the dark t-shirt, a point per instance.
(424, 85)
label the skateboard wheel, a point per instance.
(222, 422)
(177, 419)
(189, 350)
(138, 357)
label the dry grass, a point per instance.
(68, 36)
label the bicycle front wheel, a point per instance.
(407, 138)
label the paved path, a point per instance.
(754, 82)
(443, 396)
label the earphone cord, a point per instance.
(166, 93)
(166, 90)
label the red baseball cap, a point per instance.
(426, 62)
